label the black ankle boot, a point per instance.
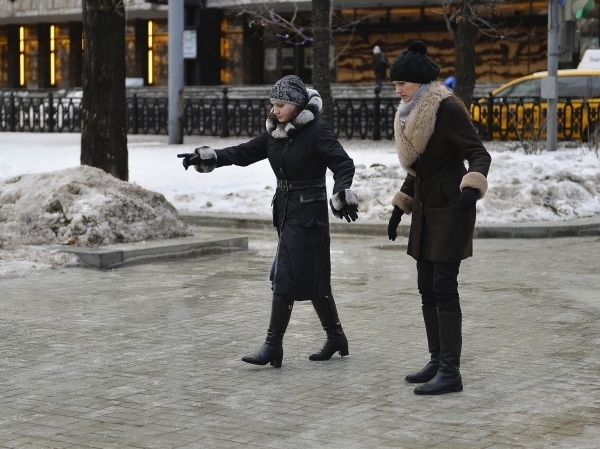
(272, 350)
(430, 316)
(448, 377)
(336, 340)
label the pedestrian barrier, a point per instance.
(363, 118)
(518, 118)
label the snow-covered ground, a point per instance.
(562, 185)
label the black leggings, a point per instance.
(438, 285)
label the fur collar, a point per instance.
(412, 138)
(310, 112)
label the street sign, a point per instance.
(190, 44)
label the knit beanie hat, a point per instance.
(290, 89)
(414, 66)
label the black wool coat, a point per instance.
(436, 140)
(302, 266)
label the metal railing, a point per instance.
(246, 117)
(525, 118)
(46, 114)
(352, 117)
(364, 118)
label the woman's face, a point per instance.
(406, 90)
(283, 111)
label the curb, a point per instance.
(122, 254)
(574, 228)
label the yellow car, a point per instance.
(519, 112)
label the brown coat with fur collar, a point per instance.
(432, 146)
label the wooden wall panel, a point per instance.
(498, 59)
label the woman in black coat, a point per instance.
(434, 136)
(300, 148)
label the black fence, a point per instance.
(352, 117)
(525, 118)
(45, 114)
(364, 118)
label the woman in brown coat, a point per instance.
(434, 136)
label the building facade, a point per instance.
(41, 41)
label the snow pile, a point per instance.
(557, 186)
(376, 185)
(563, 185)
(550, 186)
(81, 206)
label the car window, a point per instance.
(579, 86)
(526, 88)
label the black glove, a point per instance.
(350, 213)
(394, 222)
(189, 159)
(467, 200)
(204, 159)
(344, 204)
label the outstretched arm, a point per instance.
(244, 154)
(205, 159)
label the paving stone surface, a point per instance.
(148, 356)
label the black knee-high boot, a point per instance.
(272, 350)
(448, 378)
(336, 340)
(430, 316)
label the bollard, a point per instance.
(12, 115)
(490, 117)
(134, 118)
(377, 114)
(50, 113)
(225, 116)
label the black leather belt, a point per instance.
(287, 186)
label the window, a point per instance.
(527, 88)
(61, 51)
(579, 86)
(3, 58)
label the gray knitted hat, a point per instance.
(414, 66)
(290, 89)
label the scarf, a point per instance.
(310, 112)
(406, 108)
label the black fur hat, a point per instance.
(414, 66)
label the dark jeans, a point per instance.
(438, 285)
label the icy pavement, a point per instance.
(149, 355)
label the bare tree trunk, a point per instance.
(464, 66)
(103, 119)
(321, 75)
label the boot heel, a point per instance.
(344, 351)
(276, 363)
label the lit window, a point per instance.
(150, 68)
(52, 56)
(22, 56)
